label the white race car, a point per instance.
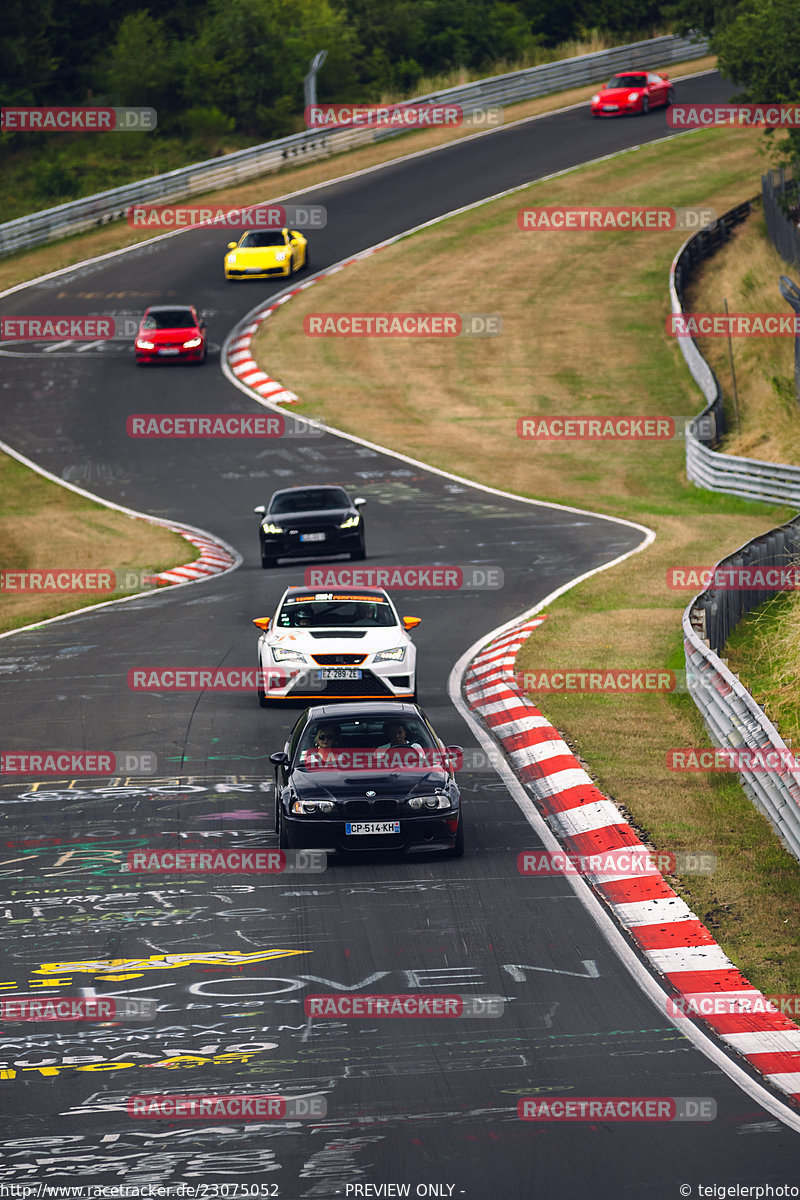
(349, 644)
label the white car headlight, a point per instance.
(350, 522)
(596, 98)
(281, 655)
(268, 527)
(143, 345)
(231, 259)
(395, 655)
(193, 343)
(280, 255)
(632, 96)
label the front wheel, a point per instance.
(267, 560)
(671, 96)
(359, 555)
(645, 106)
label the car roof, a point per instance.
(312, 592)
(365, 708)
(311, 487)
(168, 307)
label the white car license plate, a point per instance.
(610, 108)
(168, 350)
(339, 673)
(312, 537)
(353, 827)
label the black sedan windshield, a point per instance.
(310, 500)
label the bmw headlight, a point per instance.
(350, 522)
(440, 800)
(396, 655)
(280, 255)
(281, 655)
(308, 807)
(268, 527)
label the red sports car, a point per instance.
(171, 331)
(632, 91)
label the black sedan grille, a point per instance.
(367, 808)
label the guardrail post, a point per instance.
(791, 294)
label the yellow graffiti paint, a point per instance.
(162, 962)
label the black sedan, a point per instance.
(311, 522)
(367, 776)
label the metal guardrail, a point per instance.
(783, 234)
(730, 713)
(230, 169)
(749, 478)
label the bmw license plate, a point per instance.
(339, 673)
(353, 827)
(312, 537)
(168, 350)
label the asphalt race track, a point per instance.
(426, 1103)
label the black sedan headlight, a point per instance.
(430, 803)
(307, 808)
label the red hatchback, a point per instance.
(632, 91)
(170, 331)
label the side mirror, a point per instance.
(279, 759)
(454, 757)
(411, 622)
(262, 622)
(232, 245)
(261, 510)
(359, 500)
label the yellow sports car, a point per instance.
(264, 252)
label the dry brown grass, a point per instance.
(746, 272)
(47, 527)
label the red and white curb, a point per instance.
(670, 936)
(214, 559)
(239, 355)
